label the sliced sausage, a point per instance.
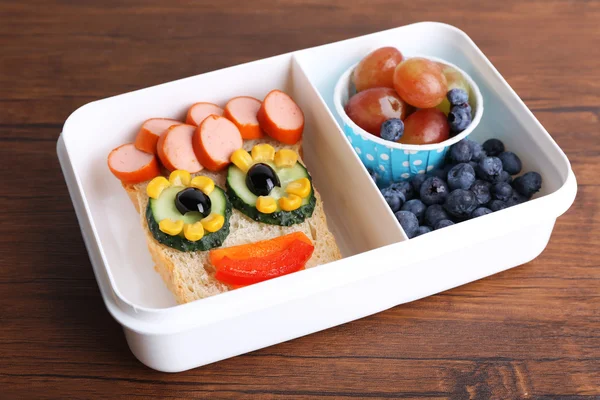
(150, 131)
(131, 165)
(214, 141)
(242, 112)
(199, 111)
(175, 149)
(281, 118)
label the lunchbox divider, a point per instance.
(378, 208)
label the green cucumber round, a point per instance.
(164, 207)
(244, 200)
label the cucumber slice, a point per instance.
(244, 200)
(164, 207)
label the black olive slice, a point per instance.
(192, 199)
(261, 179)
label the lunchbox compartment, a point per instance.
(93, 130)
(505, 117)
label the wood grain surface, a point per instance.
(530, 332)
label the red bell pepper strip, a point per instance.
(260, 261)
(257, 249)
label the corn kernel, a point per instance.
(156, 186)
(170, 227)
(263, 152)
(299, 187)
(290, 203)
(213, 222)
(241, 159)
(203, 183)
(286, 158)
(180, 177)
(266, 204)
(193, 232)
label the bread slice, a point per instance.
(190, 276)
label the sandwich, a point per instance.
(225, 199)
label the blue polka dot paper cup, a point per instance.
(393, 161)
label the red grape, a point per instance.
(377, 69)
(370, 108)
(420, 82)
(425, 126)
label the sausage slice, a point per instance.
(150, 131)
(242, 112)
(175, 149)
(199, 111)
(281, 118)
(214, 141)
(131, 165)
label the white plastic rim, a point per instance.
(343, 86)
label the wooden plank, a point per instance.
(529, 332)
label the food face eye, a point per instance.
(192, 199)
(261, 179)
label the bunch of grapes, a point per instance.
(410, 101)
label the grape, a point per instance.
(377, 69)
(420, 82)
(455, 80)
(370, 108)
(425, 126)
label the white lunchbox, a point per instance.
(380, 268)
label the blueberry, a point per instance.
(394, 200)
(443, 223)
(493, 147)
(480, 211)
(510, 162)
(434, 214)
(460, 203)
(528, 184)
(423, 229)
(473, 165)
(497, 205)
(476, 150)
(461, 152)
(433, 191)
(489, 168)
(457, 96)
(416, 207)
(461, 176)
(392, 129)
(516, 198)
(405, 188)
(502, 191)
(481, 189)
(409, 223)
(503, 177)
(459, 118)
(417, 180)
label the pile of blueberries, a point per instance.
(476, 180)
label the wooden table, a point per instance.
(530, 332)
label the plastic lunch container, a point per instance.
(395, 162)
(380, 267)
